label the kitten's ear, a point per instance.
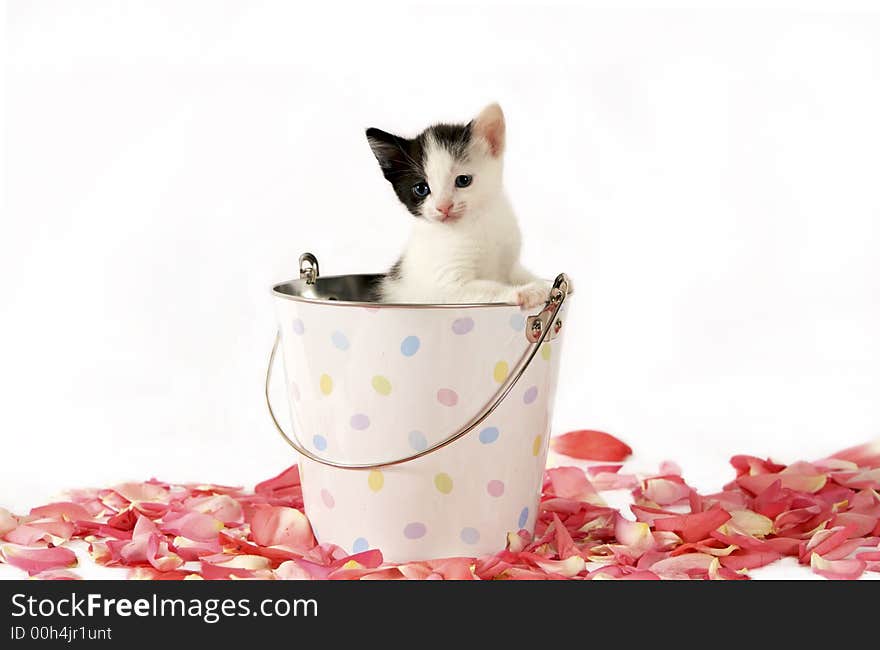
(489, 125)
(386, 147)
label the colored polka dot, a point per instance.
(536, 445)
(298, 327)
(326, 384)
(531, 395)
(320, 443)
(360, 545)
(418, 441)
(381, 385)
(327, 498)
(339, 340)
(415, 530)
(376, 480)
(359, 421)
(447, 397)
(500, 371)
(462, 325)
(470, 535)
(518, 322)
(443, 482)
(523, 518)
(495, 488)
(489, 435)
(545, 352)
(294, 391)
(410, 346)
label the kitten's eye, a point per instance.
(421, 190)
(463, 180)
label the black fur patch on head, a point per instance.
(402, 160)
(452, 137)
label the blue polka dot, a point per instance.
(339, 340)
(410, 346)
(531, 395)
(298, 327)
(489, 435)
(360, 545)
(523, 518)
(418, 441)
(320, 443)
(470, 535)
(518, 322)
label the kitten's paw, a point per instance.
(532, 295)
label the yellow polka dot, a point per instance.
(382, 385)
(545, 352)
(443, 482)
(500, 372)
(326, 384)
(376, 480)
(536, 446)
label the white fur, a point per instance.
(473, 255)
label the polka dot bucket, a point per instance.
(423, 429)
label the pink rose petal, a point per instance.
(571, 483)
(749, 559)
(192, 525)
(665, 490)
(273, 525)
(26, 535)
(693, 527)
(37, 560)
(590, 445)
(220, 506)
(690, 565)
(8, 522)
(135, 492)
(867, 455)
(837, 569)
(61, 510)
(799, 482)
(56, 574)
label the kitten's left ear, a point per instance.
(489, 125)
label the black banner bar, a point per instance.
(117, 613)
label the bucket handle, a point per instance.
(543, 326)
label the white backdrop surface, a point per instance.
(709, 179)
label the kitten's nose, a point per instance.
(444, 208)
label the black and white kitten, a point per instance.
(465, 242)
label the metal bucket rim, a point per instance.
(276, 291)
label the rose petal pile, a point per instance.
(825, 513)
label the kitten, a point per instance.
(465, 242)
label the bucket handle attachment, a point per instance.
(541, 327)
(308, 268)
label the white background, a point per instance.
(709, 178)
